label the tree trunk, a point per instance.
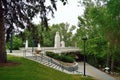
(112, 64)
(3, 55)
(108, 55)
(113, 59)
(108, 59)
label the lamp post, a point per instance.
(84, 39)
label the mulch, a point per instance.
(9, 63)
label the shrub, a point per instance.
(68, 59)
(50, 54)
(61, 57)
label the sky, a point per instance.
(66, 14)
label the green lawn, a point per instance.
(30, 70)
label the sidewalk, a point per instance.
(94, 72)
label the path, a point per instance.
(90, 70)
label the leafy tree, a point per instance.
(106, 17)
(37, 34)
(17, 43)
(96, 43)
(18, 14)
(48, 38)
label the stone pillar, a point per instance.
(62, 44)
(57, 40)
(26, 44)
(38, 46)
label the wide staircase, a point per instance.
(47, 61)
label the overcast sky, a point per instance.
(67, 13)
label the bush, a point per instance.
(61, 57)
(50, 54)
(67, 59)
(17, 43)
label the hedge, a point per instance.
(61, 57)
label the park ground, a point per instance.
(90, 70)
(25, 69)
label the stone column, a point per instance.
(38, 46)
(26, 44)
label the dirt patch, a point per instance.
(9, 63)
(66, 63)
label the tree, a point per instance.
(2, 37)
(15, 14)
(96, 43)
(105, 15)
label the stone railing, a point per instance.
(61, 48)
(65, 49)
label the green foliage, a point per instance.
(61, 57)
(96, 44)
(46, 38)
(17, 43)
(27, 34)
(34, 36)
(30, 70)
(100, 23)
(67, 59)
(50, 54)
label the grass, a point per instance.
(30, 70)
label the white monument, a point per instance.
(57, 40)
(38, 46)
(26, 44)
(62, 44)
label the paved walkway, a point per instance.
(90, 70)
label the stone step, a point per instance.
(52, 65)
(44, 62)
(58, 67)
(55, 66)
(49, 64)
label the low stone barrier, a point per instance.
(68, 68)
(71, 68)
